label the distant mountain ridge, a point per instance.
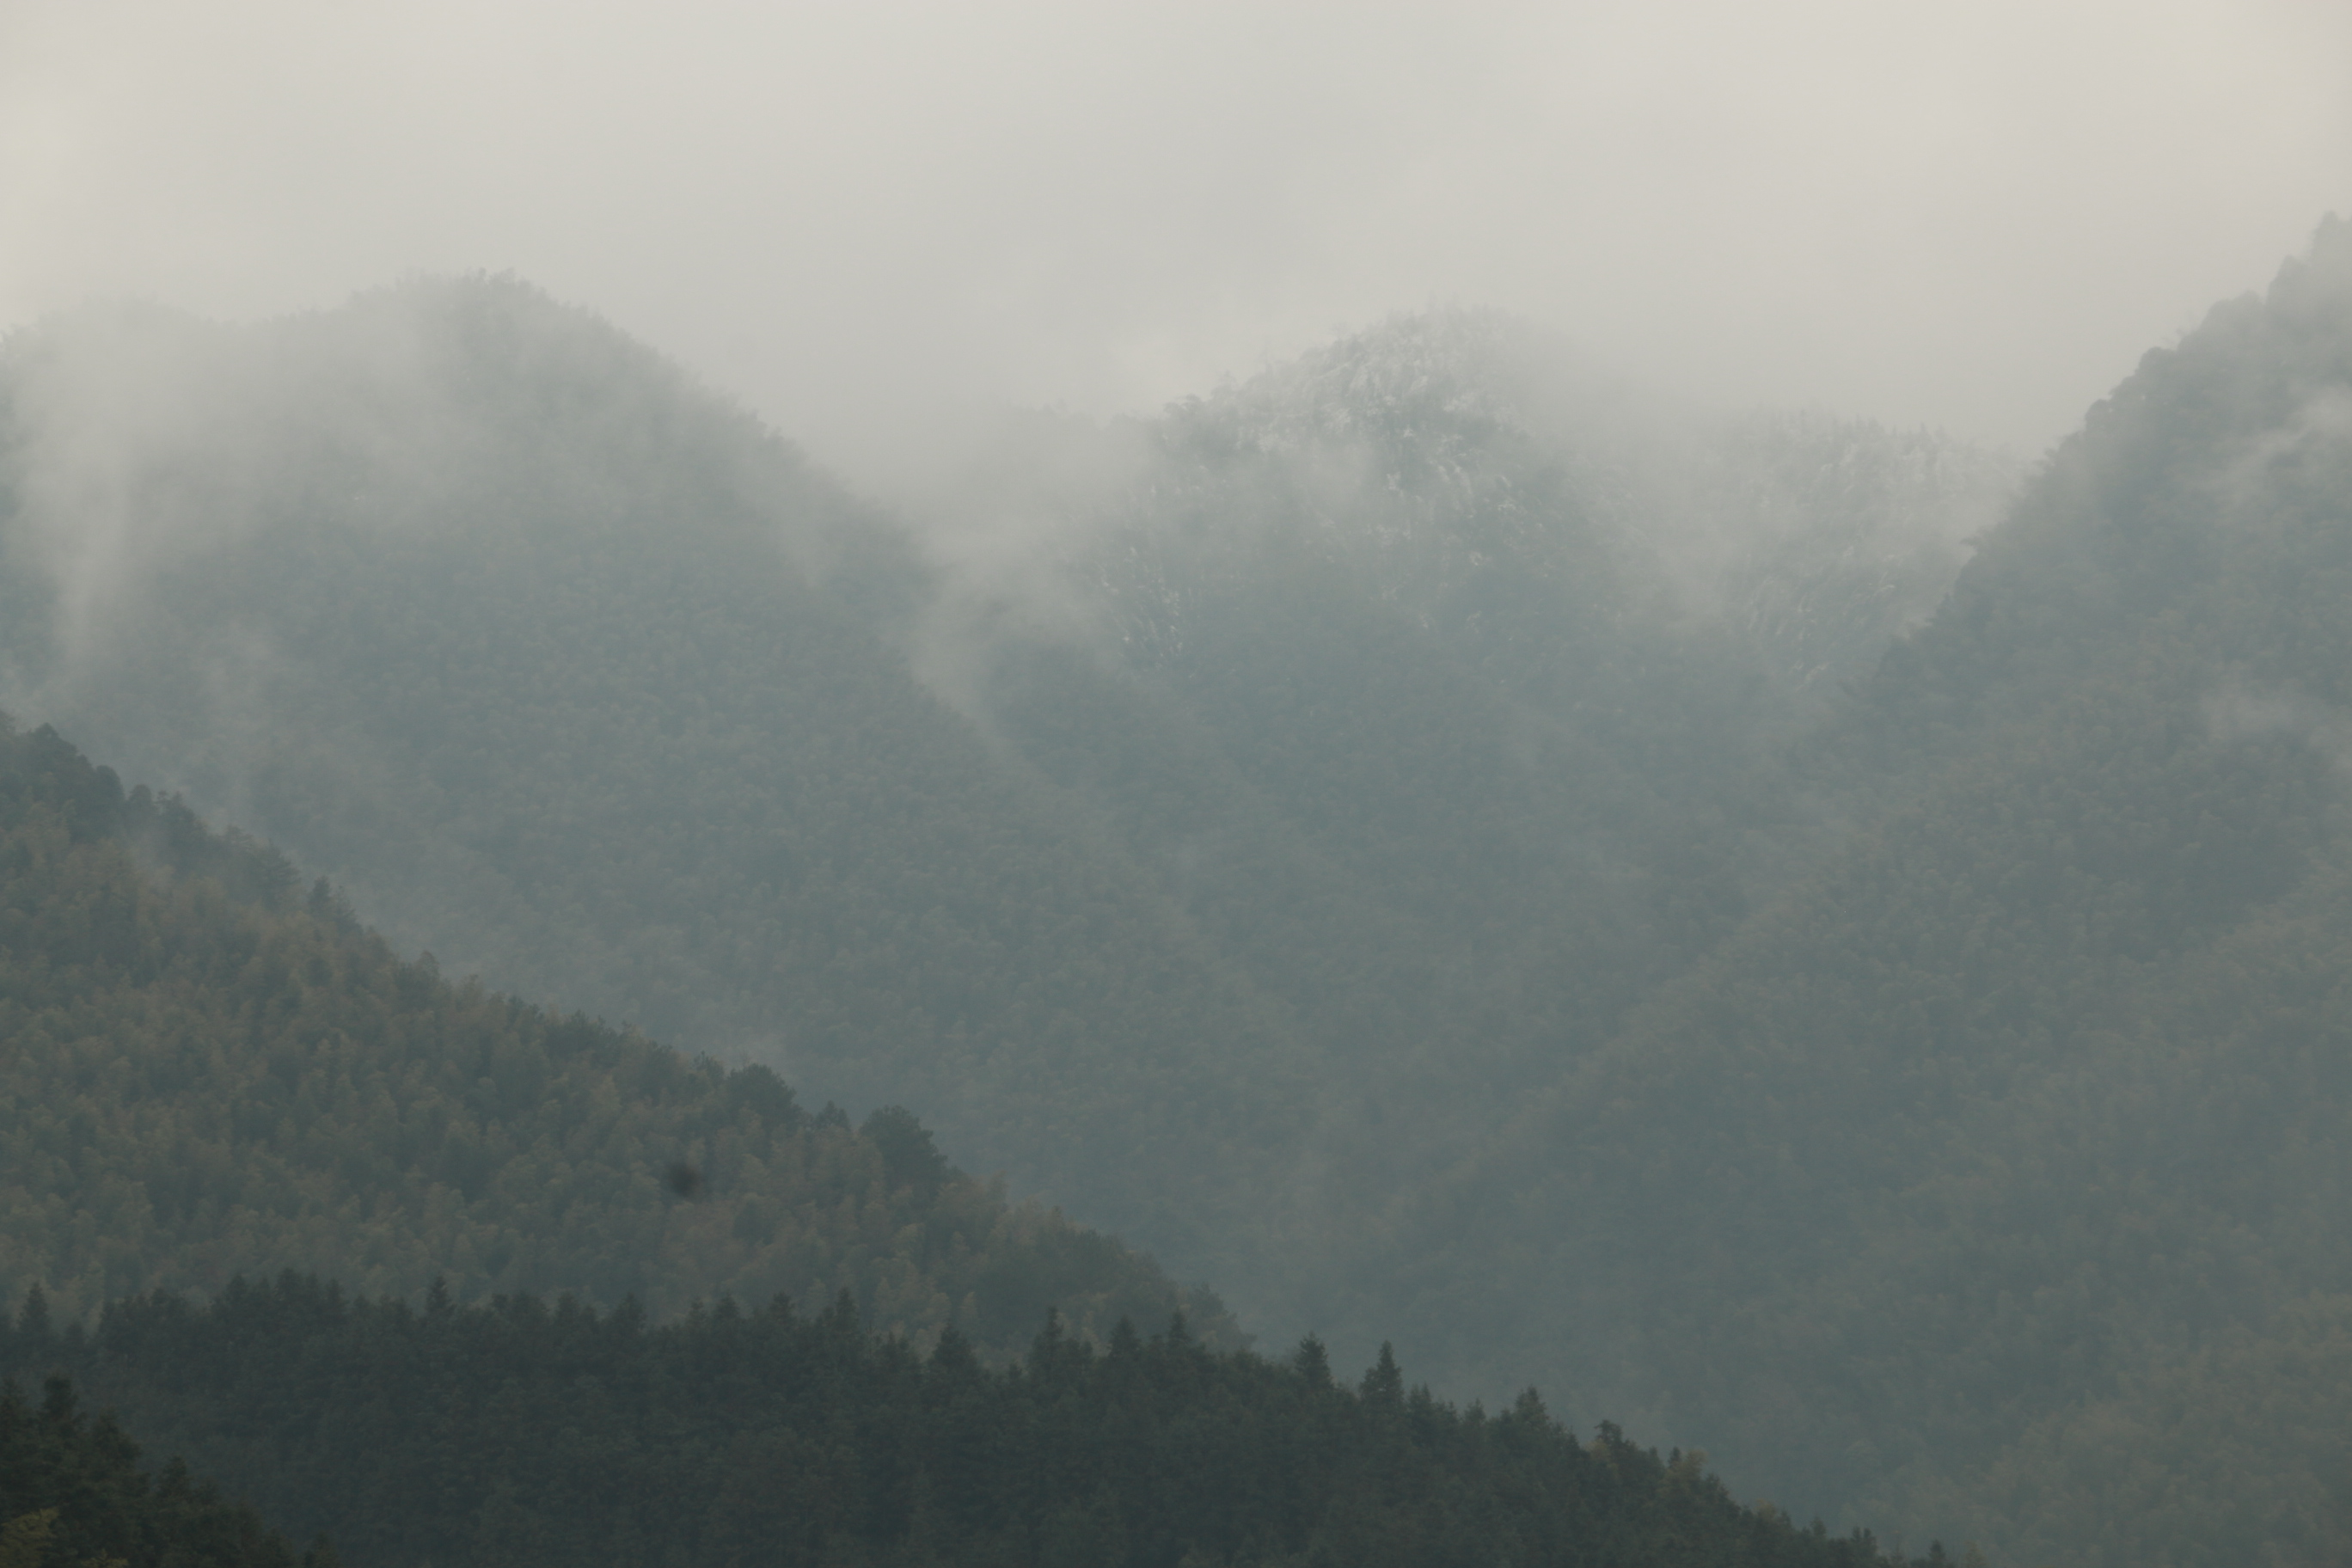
(1998, 1154)
(1694, 909)
(1456, 445)
(574, 674)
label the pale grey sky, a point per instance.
(857, 215)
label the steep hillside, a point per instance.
(207, 1073)
(1442, 685)
(1370, 736)
(1987, 1181)
(578, 677)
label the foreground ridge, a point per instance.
(71, 1490)
(208, 1072)
(518, 1433)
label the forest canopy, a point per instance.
(211, 1072)
(524, 1434)
(1792, 937)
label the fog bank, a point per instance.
(872, 220)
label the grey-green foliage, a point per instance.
(1986, 1182)
(579, 677)
(206, 1075)
(1832, 538)
(1431, 678)
(1416, 862)
(1385, 730)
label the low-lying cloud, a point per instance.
(871, 221)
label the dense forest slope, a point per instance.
(516, 1435)
(1356, 742)
(1450, 850)
(1990, 1178)
(208, 1072)
(579, 679)
(72, 1491)
(1440, 682)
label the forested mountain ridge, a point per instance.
(208, 1073)
(577, 677)
(1987, 1177)
(1457, 458)
(518, 1434)
(572, 674)
(1441, 850)
(1439, 680)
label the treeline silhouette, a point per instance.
(521, 1433)
(72, 1492)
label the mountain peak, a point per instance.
(1419, 373)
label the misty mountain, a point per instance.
(1509, 496)
(1443, 682)
(1449, 844)
(211, 1075)
(579, 679)
(1353, 744)
(1987, 1177)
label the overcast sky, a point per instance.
(1974, 215)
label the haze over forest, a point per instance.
(868, 221)
(1652, 708)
